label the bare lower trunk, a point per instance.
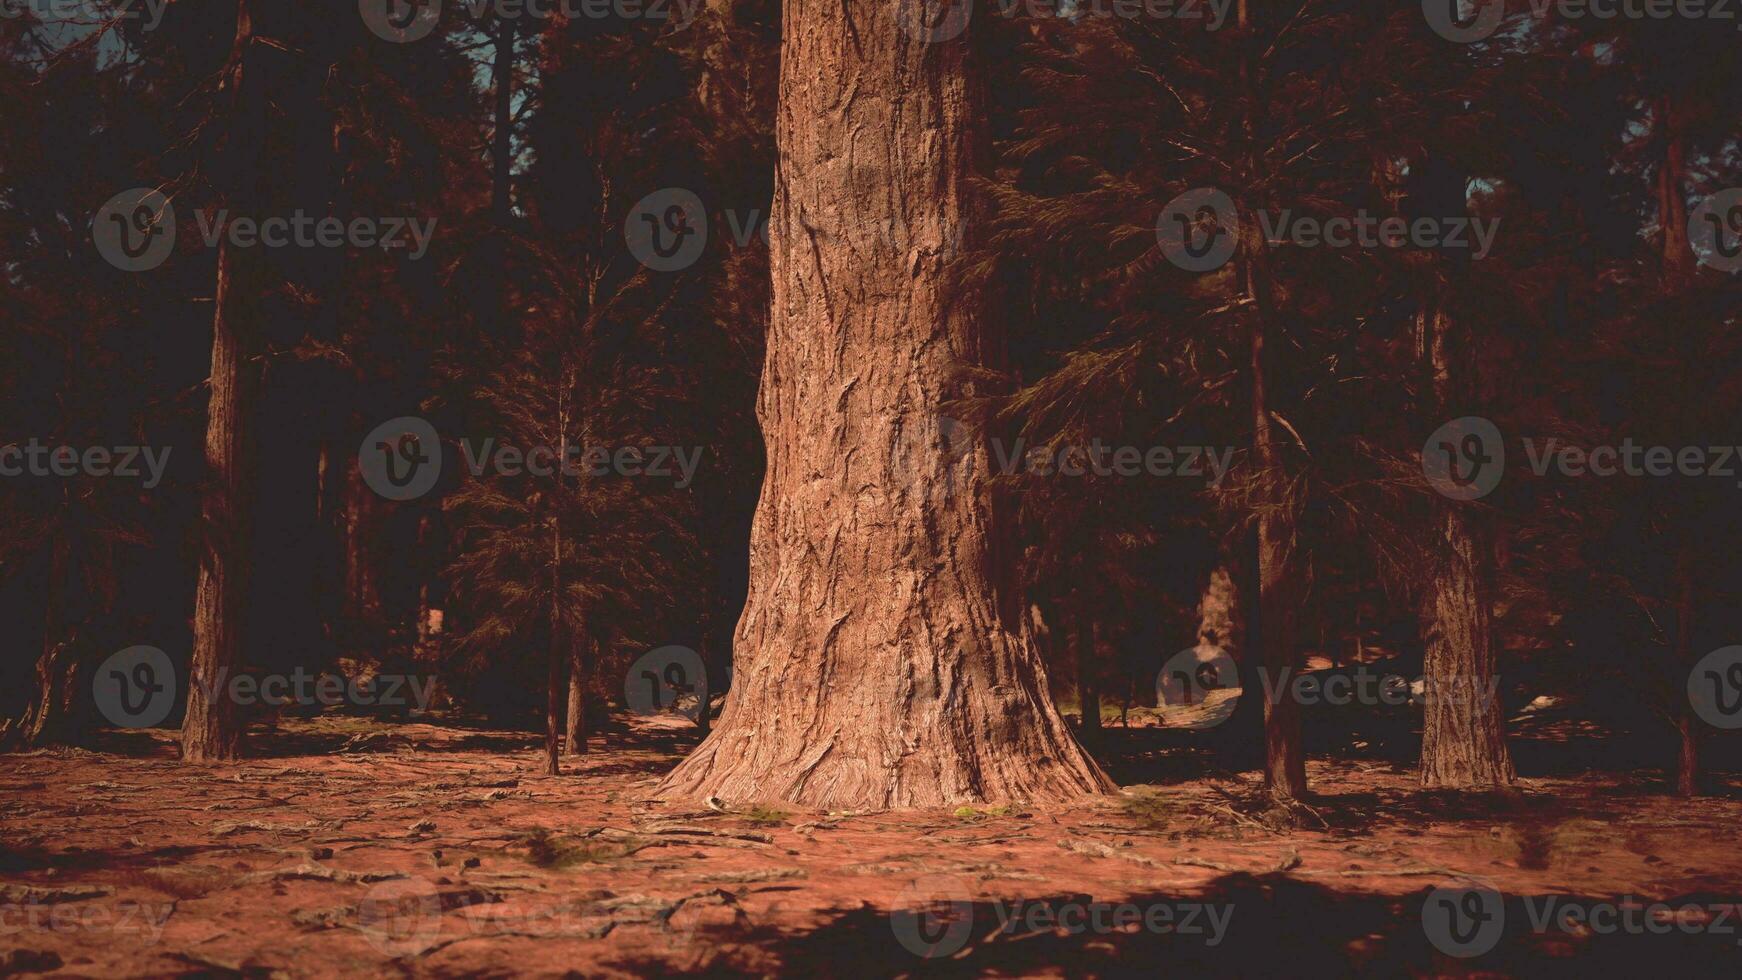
(575, 737)
(1679, 260)
(556, 659)
(1463, 739)
(212, 729)
(1270, 619)
(875, 667)
(1270, 623)
(705, 693)
(1687, 770)
(1463, 743)
(55, 714)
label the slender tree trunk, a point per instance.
(1679, 266)
(212, 729)
(1088, 692)
(1270, 623)
(362, 601)
(1463, 739)
(1679, 261)
(558, 656)
(1687, 771)
(575, 737)
(502, 138)
(875, 668)
(705, 693)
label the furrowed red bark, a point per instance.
(875, 666)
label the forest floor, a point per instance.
(348, 846)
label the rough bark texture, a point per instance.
(1463, 742)
(212, 728)
(875, 668)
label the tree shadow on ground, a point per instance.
(1274, 925)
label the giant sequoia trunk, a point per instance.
(875, 666)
